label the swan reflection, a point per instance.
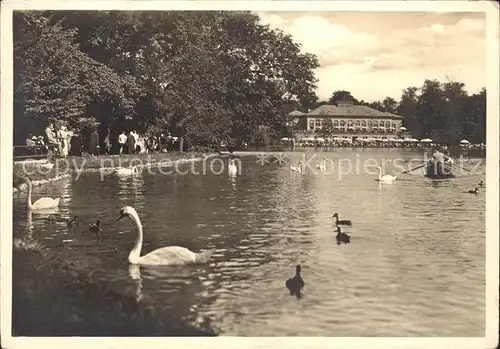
(233, 182)
(135, 274)
(130, 186)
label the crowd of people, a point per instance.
(63, 142)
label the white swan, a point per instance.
(322, 167)
(384, 178)
(297, 168)
(232, 169)
(171, 255)
(42, 203)
(126, 170)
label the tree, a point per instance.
(389, 104)
(54, 79)
(342, 96)
(207, 76)
(408, 108)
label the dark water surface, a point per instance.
(415, 266)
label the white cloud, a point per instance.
(374, 66)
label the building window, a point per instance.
(336, 123)
(394, 125)
(375, 124)
(350, 123)
(311, 124)
(370, 124)
(342, 122)
(318, 123)
(387, 124)
(363, 123)
(358, 123)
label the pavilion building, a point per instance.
(348, 121)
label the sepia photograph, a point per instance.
(226, 169)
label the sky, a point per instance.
(378, 54)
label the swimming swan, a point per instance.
(171, 255)
(232, 169)
(126, 170)
(42, 203)
(385, 178)
(322, 166)
(297, 168)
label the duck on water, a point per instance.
(475, 191)
(342, 221)
(296, 283)
(342, 237)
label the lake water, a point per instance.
(415, 265)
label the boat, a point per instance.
(439, 167)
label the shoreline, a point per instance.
(95, 166)
(40, 308)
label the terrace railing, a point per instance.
(35, 152)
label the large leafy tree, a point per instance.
(207, 75)
(55, 80)
(342, 96)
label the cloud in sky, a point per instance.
(374, 55)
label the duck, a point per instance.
(72, 222)
(296, 283)
(170, 255)
(384, 178)
(96, 228)
(475, 191)
(126, 170)
(480, 184)
(42, 203)
(297, 168)
(322, 167)
(52, 218)
(232, 169)
(342, 237)
(341, 222)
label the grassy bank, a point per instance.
(37, 172)
(56, 297)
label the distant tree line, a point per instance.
(444, 112)
(207, 76)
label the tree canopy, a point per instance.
(208, 76)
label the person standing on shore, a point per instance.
(136, 142)
(131, 142)
(62, 139)
(122, 139)
(170, 141)
(51, 138)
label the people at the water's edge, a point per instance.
(122, 139)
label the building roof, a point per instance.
(351, 111)
(296, 113)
